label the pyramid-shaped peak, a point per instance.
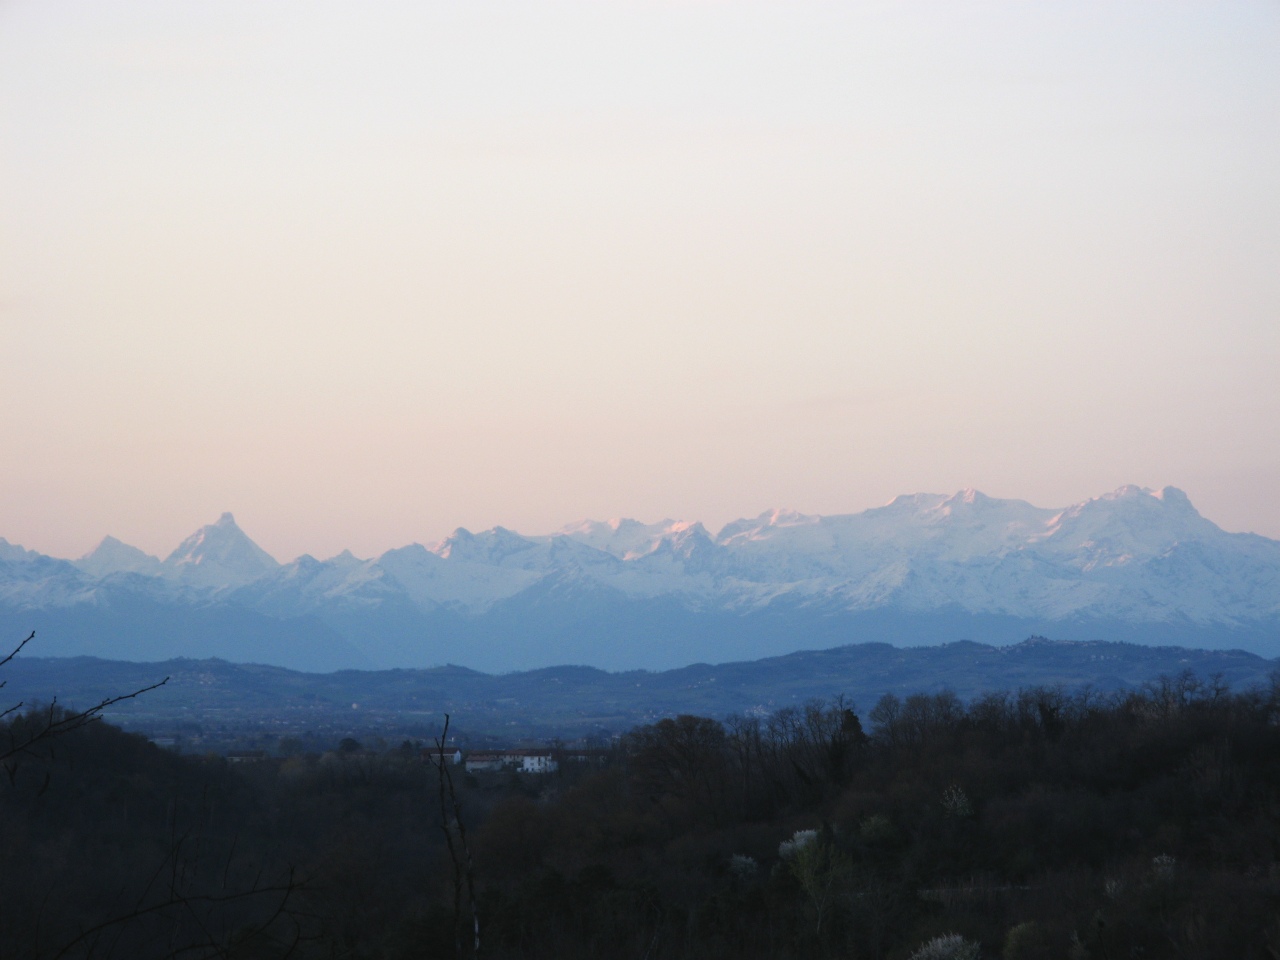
(112, 546)
(220, 554)
(116, 556)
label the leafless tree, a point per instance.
(455, 837)
(171, 905)
(51, 722)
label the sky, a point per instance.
(362, 273)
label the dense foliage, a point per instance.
(1034, 824)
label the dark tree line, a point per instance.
(1029, 824)
(1037, 823)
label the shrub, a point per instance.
(950, 946)
(789, 849)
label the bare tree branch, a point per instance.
(17, 650)
(286, 889)
(463, 866)
(58, 724)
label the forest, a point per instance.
(1033, 823)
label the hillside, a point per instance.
(574, 700)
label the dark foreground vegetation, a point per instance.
(1032, 824)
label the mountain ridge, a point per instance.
(1133, 564)
(568, 700)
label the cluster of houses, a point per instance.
(523, 760)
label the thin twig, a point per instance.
(56, 726)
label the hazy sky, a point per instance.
(364, 272)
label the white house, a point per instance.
(521, 761)
(538, 761)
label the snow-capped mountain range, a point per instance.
(1134, 564)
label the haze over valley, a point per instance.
(324, 325)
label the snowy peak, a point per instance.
(115, 556)
(346, 560)
(906, 503)
(1133, 554)
(1130, 521)
(968, 502)
(219, 555)
(624, 538)
(14, 553)
(968, 497)
(488, 547)
(943, 538)
(756, 528)
(1175, 499)
(684, 539)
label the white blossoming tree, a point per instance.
(950, 946)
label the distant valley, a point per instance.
(211, 698)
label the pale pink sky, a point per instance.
(363, 273)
